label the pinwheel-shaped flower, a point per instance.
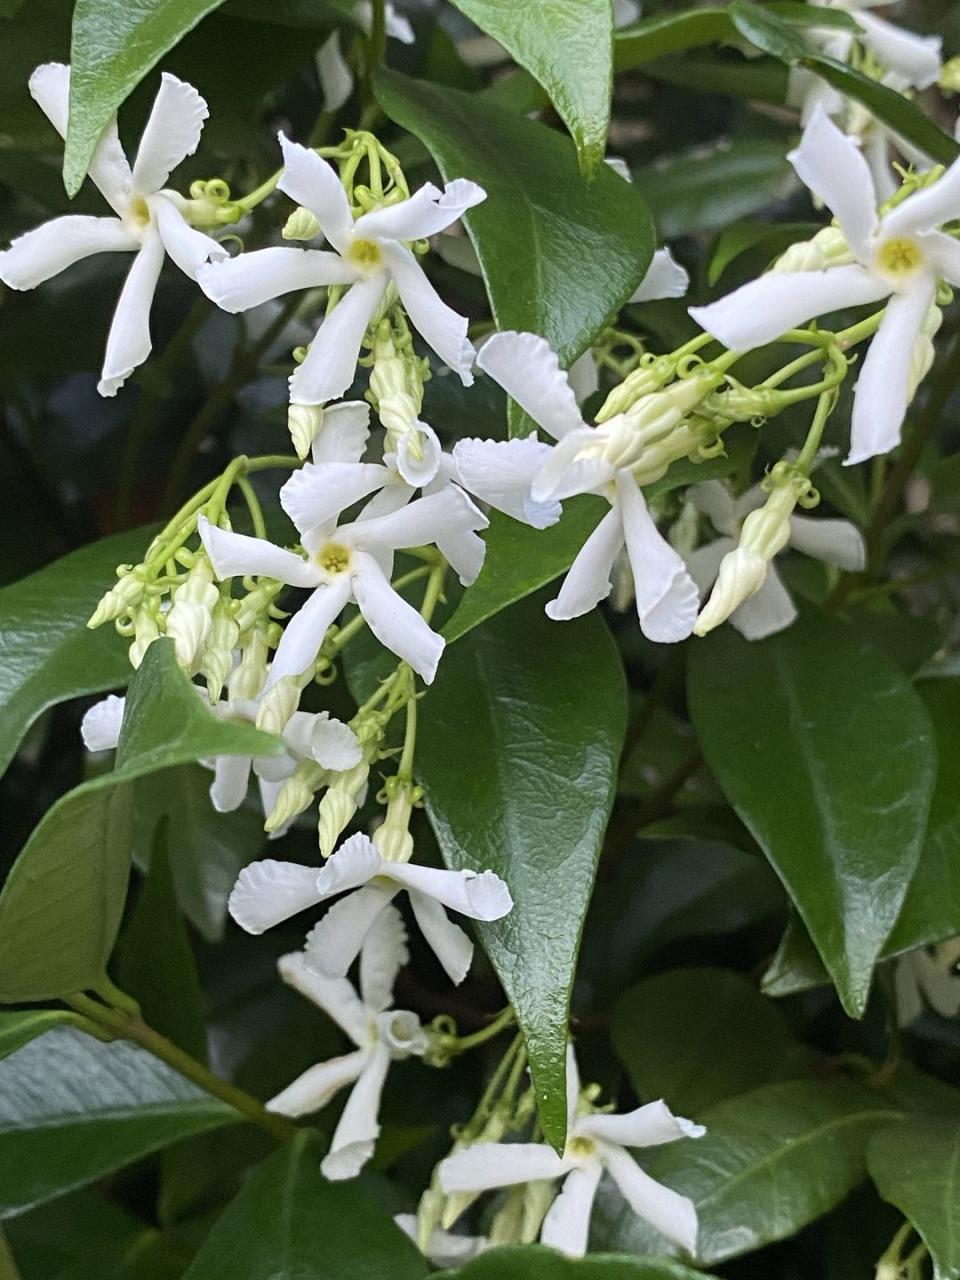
(381, 1033)
(371, 252)
(150, 221)
(595, 1142)
(268, 892)
(899, 257)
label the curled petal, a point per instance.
(100, 727)
(315, 495)
(446, 940)
(588, 579)
(334, 942)
(442, 328)
(336, 78)
(916, 58)
(418, 523)
(333, 743)
(832, 166)
(501, 472)
(359, 1127)
(667, 597)
(267, 892)
(344, 433)
(309, 180)
(648, 1126)
(334, 995)
(464, 551)
(383, 955)
(834, 541)
(314, 1089)
(427, 212)
(129, 342)
(189, 248)
(355, 863)
(665, 278)
(528, 369)
(172, 133)
(395, 623)
(231, 777)
(673, 1215)
(482, 897)
(305, 632)
(766, 612)
(489, 1165)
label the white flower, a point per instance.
(928, 976)
(336, 78)
(763, 603)
(371, 254)
(150, 221)
(315, 736)
(527, 479)
(349, 562)
(596, 1142)
(268, 892)
(444, 1248)
(899, 257)
(381, 1033)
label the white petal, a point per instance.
(395, 623)
(528, 369)
(418, 455)
(359, 1127)
(648, 1126)
(334, 995)
(567, 1224)
(703, 564)
(269, 795)
(482, 897)
(333, 743)
(334, 942)
(231, 777)
(189, 248)
(927, 209)
(317, 494)
(943, 251)
(53, 246)
(767, 611)
(172, 133)
(588, 579)
(882, 391)
(490, 1165)
(417, 523)
(237, 554)
(442, 328)
(583, 375)
(306, 630)
(667, 597)
(464, 551)
(764, 309)
(383, 955)
(564, 474)
(312, 182)
(917, 58)
(398, 27)
(344, 434)
(100, 727)
(250, 279)
(331, 360)
(427, 212)
(129, 343)
(501, 472)
(665, 278)
(673, 1215)
(314, 1089)
(267, 892)
(108, 168)
(832, 166)
(446, 940)
(573, 1087)
(444, 1248)
(355, 863)
(834, 541)
(336, 78)
(715, 501)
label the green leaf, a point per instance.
(846, 835)
(535, 1263)
(289, 1223)
(697, 1036)
(772, 1160)
(916, 1166)
(767, 31)
(757, 79)
(115, 44)
(536, 818)
(48, 653)
(568, 48)
(61, 905)
(19, 1026)
(72, 1109)
(665, 33)
(559, 255)
(770, 238)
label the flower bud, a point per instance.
(304, 422)
(392, 838)
(216, 657)
(280, 702)
(301, 225)
(338, 804)
(145, 630)
(249, 674)
(191, 615)
(647, 378)
(828, 248)
(121, 599)
(921, 361)
(296, 794)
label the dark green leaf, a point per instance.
(665, 33)
(537, 818)
(535, 1263)
(916, 1166)
(19, 1026)
(314, 15)
(846, 835)
(559, 255)
(758, 79)
(770, 238)
(72, 1109)
(115, 44)
(289, 1223)
(568, 47)
(772, 1160)
(764, 28)
(61, 904)
(697, 1036)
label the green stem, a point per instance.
(462, 1044)
(253, 506)
(8, 1266)
(808, 453)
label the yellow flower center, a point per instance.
(900, 257)
(580, 1148)
(333, 558)
(365, 254)
(139, 213)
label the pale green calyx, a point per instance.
(301, 225)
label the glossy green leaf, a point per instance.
(772, 1160)
(72, 1109)
(916, 1166)
(115, 44)
(757, 79)
(671, 32)
(768, 31)
(697, 1036)
(19, 1026)
(62, 902)
(846, 834)
(567, 45)
(559, 255)
(289, 1223)
(536, 818)
(535, 1263)
(48, 653)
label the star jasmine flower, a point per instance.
(381, 1034)
(527, 479)
(268, 892)
(596, 1143)
(913, 61)
(371, 254)
(336, 78)
(768, 608)
(444, 1248)
(898, 258)
(150, 221)
(928, 977)
(344, 563)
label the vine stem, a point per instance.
(8, 1266)
(506, 1018)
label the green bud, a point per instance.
(191, 616)
(828, 248)
(216, 657)
(338, 804)
(145, 630)
(279, 703)
(296, 794)
(650, 375)
(301, 225)
(249, 675)
(950, 76)
(392, 838)
(122, 599)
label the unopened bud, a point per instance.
(828, 248)
(216, 657)
(296, 794)
(249, 674)
(121, 599)
(279, 703)
(950, 76)
(191, 615)
(301, 225)
(339, 804)
(145, 631)
(392, 838)
(648, 377)
(921, 361)
(304, 422)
